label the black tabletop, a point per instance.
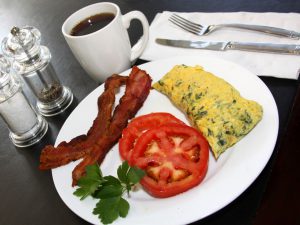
(28, 195)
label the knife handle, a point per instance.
(265, 47)
(264, 29)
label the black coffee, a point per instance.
(92, 24)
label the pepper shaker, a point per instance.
(26, 127)
(32, 61)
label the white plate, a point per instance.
(227, 177)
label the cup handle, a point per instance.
(139, 47)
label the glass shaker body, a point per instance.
(32, 62)
(26, 127)
(39, 74)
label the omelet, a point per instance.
(213, 105)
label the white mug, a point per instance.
(108, 50)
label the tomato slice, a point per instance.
(174, 157)
(139, 125)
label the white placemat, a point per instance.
(265, 64)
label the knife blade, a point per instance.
(232, 45)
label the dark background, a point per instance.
(28, 195)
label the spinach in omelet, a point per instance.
(214, 106)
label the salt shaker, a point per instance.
(32, 61)
(26, 127)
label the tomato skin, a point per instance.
(168, 191)
(168, 153)
(139, 125)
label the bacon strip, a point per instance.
(79, 146)
(137, 89)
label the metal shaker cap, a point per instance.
(22, 44)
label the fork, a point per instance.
(200, 30)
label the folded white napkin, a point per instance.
(266, 64)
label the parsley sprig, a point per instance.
(109, 190)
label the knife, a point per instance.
(233, 45)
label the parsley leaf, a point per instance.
(109, 190)
(89, 183)
(123, 207)
(129, 175)
(110, 209)
(135, 175)
(122, 171)
(107, 209)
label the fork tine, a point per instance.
(184, 26)
(196, 25)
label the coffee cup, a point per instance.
(107, 50)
